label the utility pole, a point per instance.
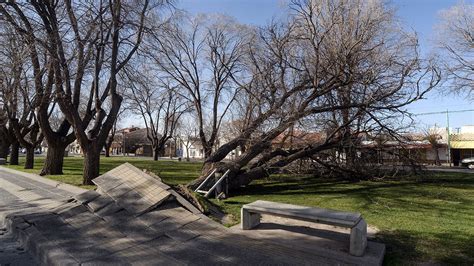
(449, 143)
(447, 128)
(123, 141)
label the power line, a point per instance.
(445, 112)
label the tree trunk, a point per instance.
(107, 148)
(437, 160)
(207, 151)
(235, 178)
(156, 154)
(207, 168)
(14, 153)
(108, 144)
(30, 158)
(210, 163)
(243, 179)
(4, 147)
(91, 165)
(240, 175)
(53, 164)
(243, 148)
(158, 149)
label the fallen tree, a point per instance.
(342, 68)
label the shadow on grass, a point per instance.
(409, 248)
(421, 219)
(400, 247)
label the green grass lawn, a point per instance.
(421, 220)
(427, 218)
(172, 172)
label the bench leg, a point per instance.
(358, 239)
(248, 219)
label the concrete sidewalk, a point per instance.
(39, 182)
(12, 252)
(26, 193)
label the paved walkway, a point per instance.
(133, 219)
(19, 193)
(12, 252)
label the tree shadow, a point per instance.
(404, 247)
(423, 218)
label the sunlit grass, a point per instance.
(172, 172)
(428, 219)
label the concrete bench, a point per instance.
(251, 213)
(3, 161)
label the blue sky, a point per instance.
(418, 15)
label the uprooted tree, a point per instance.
(343, 68)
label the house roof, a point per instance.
(462, 137)
(298, 138)
(414, 144)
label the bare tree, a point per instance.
(333, 64)
(111, 138)
(159, 105)
(8, 142)
(187, 134)
(19, 97)
(85, 56)
(434, 138)
(456, 39)
(4, 143)
(32, 33)
(201, 54)
(6, 136)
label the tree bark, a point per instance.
(4, 147)
(437, 160)
(158, 148)
(156, 154)
(108, 144)
(240, 176)
(30, 158)
(91, 165)
(53, 164)
(207, 150)
(14, 153)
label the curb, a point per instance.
(44, 251)
(38, 178)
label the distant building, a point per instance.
(297, 139)
(134, 140)
(191, 147)
(462, 144)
